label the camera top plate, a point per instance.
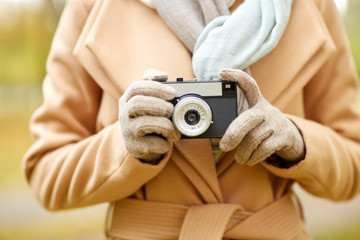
(213, 88)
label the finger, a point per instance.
(147, 125)
(265, 149)
(150, 88)
(246, 83)
(239, 128)
(155, 75)
(146, 145)
(251, 145)
(145, 105)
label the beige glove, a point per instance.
(262, 130)
(144, 117)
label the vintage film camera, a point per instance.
(203, 109)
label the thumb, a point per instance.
(246, 83)
(155, 75)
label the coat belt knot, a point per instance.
(137, 220)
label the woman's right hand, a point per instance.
(144, 115)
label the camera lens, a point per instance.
(192, 117)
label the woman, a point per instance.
(82, 156)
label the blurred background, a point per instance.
(26, 31)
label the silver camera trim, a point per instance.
(182, 107)
(204, 89)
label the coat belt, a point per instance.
(138, 220)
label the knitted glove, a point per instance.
(262, 130)
(144, 117)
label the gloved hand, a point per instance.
(144, 117)
(262, 130)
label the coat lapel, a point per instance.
(123, 38)
(304, 47)
(89, 59)
(197, 154)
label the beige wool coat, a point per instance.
(78, 157)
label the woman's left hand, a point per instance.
(262, 130)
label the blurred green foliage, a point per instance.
(351, 21)
(352, 232)
(25, 36)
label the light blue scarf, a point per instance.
(239, 40)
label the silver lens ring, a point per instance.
(192, 104)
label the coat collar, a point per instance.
(106, 49)
(122, 38)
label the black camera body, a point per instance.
(203, 109)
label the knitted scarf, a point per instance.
(219, 40)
